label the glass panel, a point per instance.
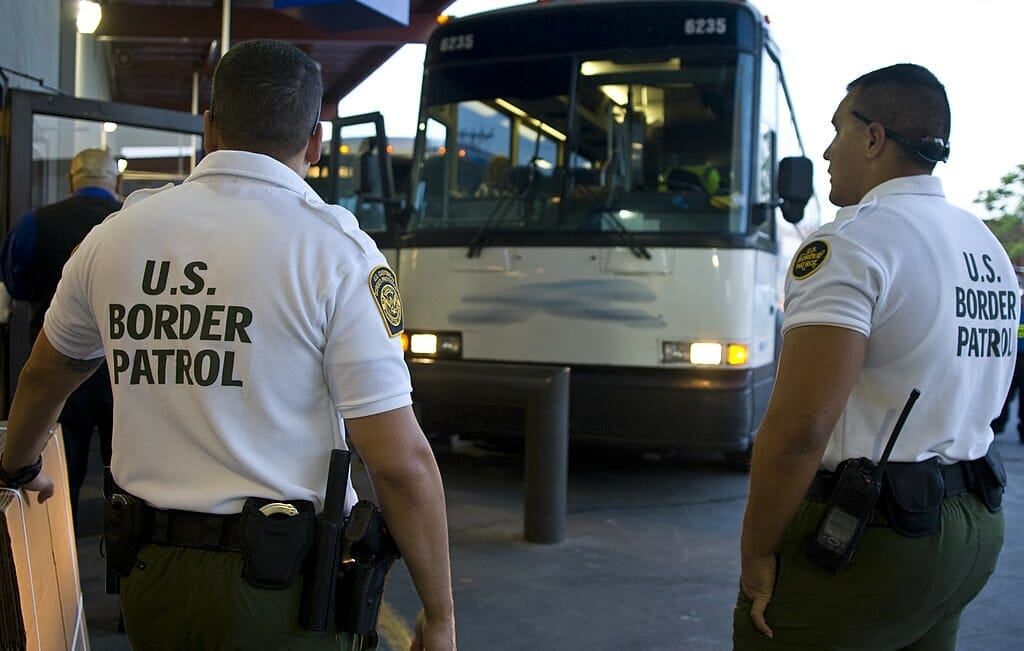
(766, 150)
(653, 145)
(148, 157)
(358, 186)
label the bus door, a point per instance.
(357, 173)
(43, 132)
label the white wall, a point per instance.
(30, 41)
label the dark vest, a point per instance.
(61, 227)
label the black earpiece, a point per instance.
(933, 150)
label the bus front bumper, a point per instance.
(666, 409)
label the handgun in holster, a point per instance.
(851, 505)
(351, 559)
(371, 551)
(123, 526)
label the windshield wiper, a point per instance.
(527, 193)
(497, 216)
(626, 235)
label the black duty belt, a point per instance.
(957, 480)
(196, 530)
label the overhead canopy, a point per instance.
(345, 15)
(153, 47)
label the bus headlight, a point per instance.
(435, 344)
(704, 353)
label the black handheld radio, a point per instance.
(852, 503)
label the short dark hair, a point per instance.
(266, 97)
(906, 98)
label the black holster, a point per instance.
(371, 553)
(990, 479)
(124, 524)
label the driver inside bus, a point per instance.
(702, 177)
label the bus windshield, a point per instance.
(652, 144)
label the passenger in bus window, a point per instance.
(34, 252)
(497, 179)
(252, 331)
(903, 295)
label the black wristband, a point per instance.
(21, 476)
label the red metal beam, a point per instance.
(174, 23)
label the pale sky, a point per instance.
(974, 48)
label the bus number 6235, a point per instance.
(705, 26)
(455, 43)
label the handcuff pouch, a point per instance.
(275, 545)
(912, 495)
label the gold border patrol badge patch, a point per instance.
(384, 288)
(810, 259)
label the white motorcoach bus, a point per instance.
(611, 186)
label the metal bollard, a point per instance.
(544, 393)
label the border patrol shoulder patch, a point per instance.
(384, 288)
(809, 259)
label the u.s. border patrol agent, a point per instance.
(248, 327)
(902, 291)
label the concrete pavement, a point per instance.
(650, 561)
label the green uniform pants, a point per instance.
(196, 600)
(897, 593)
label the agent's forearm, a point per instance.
(780, 475)
(45, 382)
(414, 509)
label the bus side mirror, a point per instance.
(796, 186)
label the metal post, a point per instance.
(194, 140)
(544, 392)
(546, 463)
(225, 28)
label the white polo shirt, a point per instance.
(241, 319)
(936, 295)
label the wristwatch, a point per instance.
(21, 476)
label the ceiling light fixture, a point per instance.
(89, 16)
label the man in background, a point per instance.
(33, 255)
